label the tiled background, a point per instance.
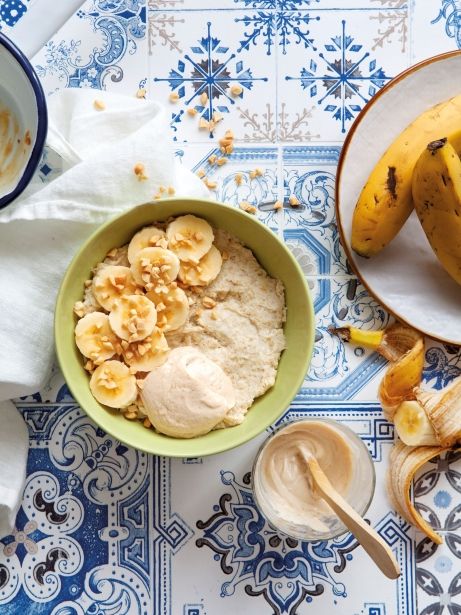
(105, 529)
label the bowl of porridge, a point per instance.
(184, 327)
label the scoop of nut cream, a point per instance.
(188, 395)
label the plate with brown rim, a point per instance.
(406, 277)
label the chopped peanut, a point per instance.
(203, 124)
(221, 161)
(238, 178)
(236, 90)
(208, 303)
(217, 117)
(191, 111)
(141, 93)
(201, 173)
(139, 171)
(278, 205)
(171, 190)
(210, 184)
(248, 207)
(174, 97)
(99, 105)
(203, 98)
(147, 424)
(212, 159)
(294, 201)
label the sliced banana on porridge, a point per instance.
(112, 282)
(149, 237)
(189, 237)
(203, 272)
(155, 266)
(148, 354)
(133, 317)
(95, 338)
(113, 385)
(172, 308)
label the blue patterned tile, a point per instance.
(343, 66)
(103, 45)
(261, 191)
(309, 176)
(207, 53)
(437, 491)
(340, 371)
(11, 11)
(438, 28)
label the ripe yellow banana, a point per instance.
(437, 200)
(386, 200)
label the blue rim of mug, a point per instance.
(42, 120)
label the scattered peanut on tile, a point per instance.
(236, 90)
(174, 97)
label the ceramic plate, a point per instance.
(405, 277)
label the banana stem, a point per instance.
(369, 339)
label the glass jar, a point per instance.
(358, 492)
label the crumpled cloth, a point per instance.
(42, 230)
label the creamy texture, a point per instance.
(243, 333)
(283, 484)
(188, 395)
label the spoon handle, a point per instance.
(370, 540)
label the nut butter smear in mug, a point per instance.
(14, 145)
(284, 480)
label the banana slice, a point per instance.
(154, 267)
(112, 282)
(203, 272)
(172, 308)
(113, 385)
(413, 426)
(151, 352)
(189, 237)
(133, 317)
(94, 337)
(149, 237)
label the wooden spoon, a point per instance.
(370, 540)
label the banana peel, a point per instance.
(443, 409)
(385, 201)
(404, 348)
(404, 462)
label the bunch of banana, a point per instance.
(386, 199)
(427, 422)
(437, 199)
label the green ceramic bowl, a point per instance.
(276, 259)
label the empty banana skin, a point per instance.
(427, 421)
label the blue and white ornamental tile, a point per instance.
(435, 28)
(214, 73)
(103, 46)
(347, 59)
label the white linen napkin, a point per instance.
(41, 231)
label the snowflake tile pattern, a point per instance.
(106, 529)
(340, 72)
(212, 76)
